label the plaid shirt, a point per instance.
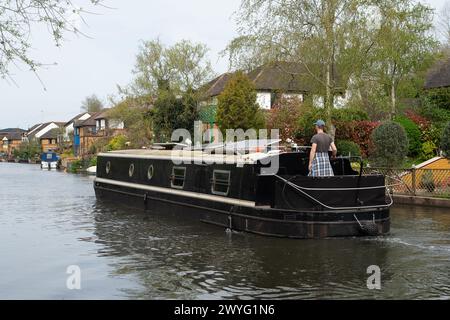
(321, 166)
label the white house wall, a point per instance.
(293, 96)
(264, 100)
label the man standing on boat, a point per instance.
(319, 160)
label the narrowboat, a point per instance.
(242, 192)
(49, 160)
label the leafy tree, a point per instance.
(403, 44)
(445, 141)
(136, 114)
(180, 68)
(171, 112)
(315, 34)
(237, 107)
(28, 150)
(390, 145)
(18, 19)
(117, 143)
(92, 104)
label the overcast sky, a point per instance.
(97, 64)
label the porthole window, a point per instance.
(178, 176)
(108, 167)
(131, 170)
(221, 182)
(150, 172)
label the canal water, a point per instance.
(51, 220)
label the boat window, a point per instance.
(221, 182)
(131, 170)
(178, 176)
(108, 167)
(150, 172)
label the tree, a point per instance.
(18, 19)
(136, 114)
(171, 112)
(237, 107)
(180, 68)
(315, 34)
(92, 104)
(403, 44)
(390, 144)
(444, 24)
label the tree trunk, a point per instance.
(329, 98)
(393, 100)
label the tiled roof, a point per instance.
(78, 116)
(51, 134)
(283, 76)
(90, 122)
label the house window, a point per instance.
(150, 172)
(221, 182)
(131, 170)
(178, 176)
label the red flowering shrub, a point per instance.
(359, 132)
(422, 122)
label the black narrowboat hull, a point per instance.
(246, 216)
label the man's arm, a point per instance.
(312, 155)
(334, 150)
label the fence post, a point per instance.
(414, 180)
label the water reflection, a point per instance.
(176, 257)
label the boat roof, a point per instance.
(190, 156)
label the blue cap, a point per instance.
(320, 123)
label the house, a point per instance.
(46, 134)
(97, 126)
(439, 75)
(69, 126)
(10, 140)
(49, 140)
(270, 80)
(104, 123)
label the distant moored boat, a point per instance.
(49, 160)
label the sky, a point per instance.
(98, 63)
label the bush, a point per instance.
(390, 145)
(413, 133)
(284, 116)
(445, 141)
(117, 143)
(346, 148)
(428, 150)
(93, 162)
(349, 114)
(359, 132)
(76, 166)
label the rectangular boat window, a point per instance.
(221, 182)
(178, 176)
